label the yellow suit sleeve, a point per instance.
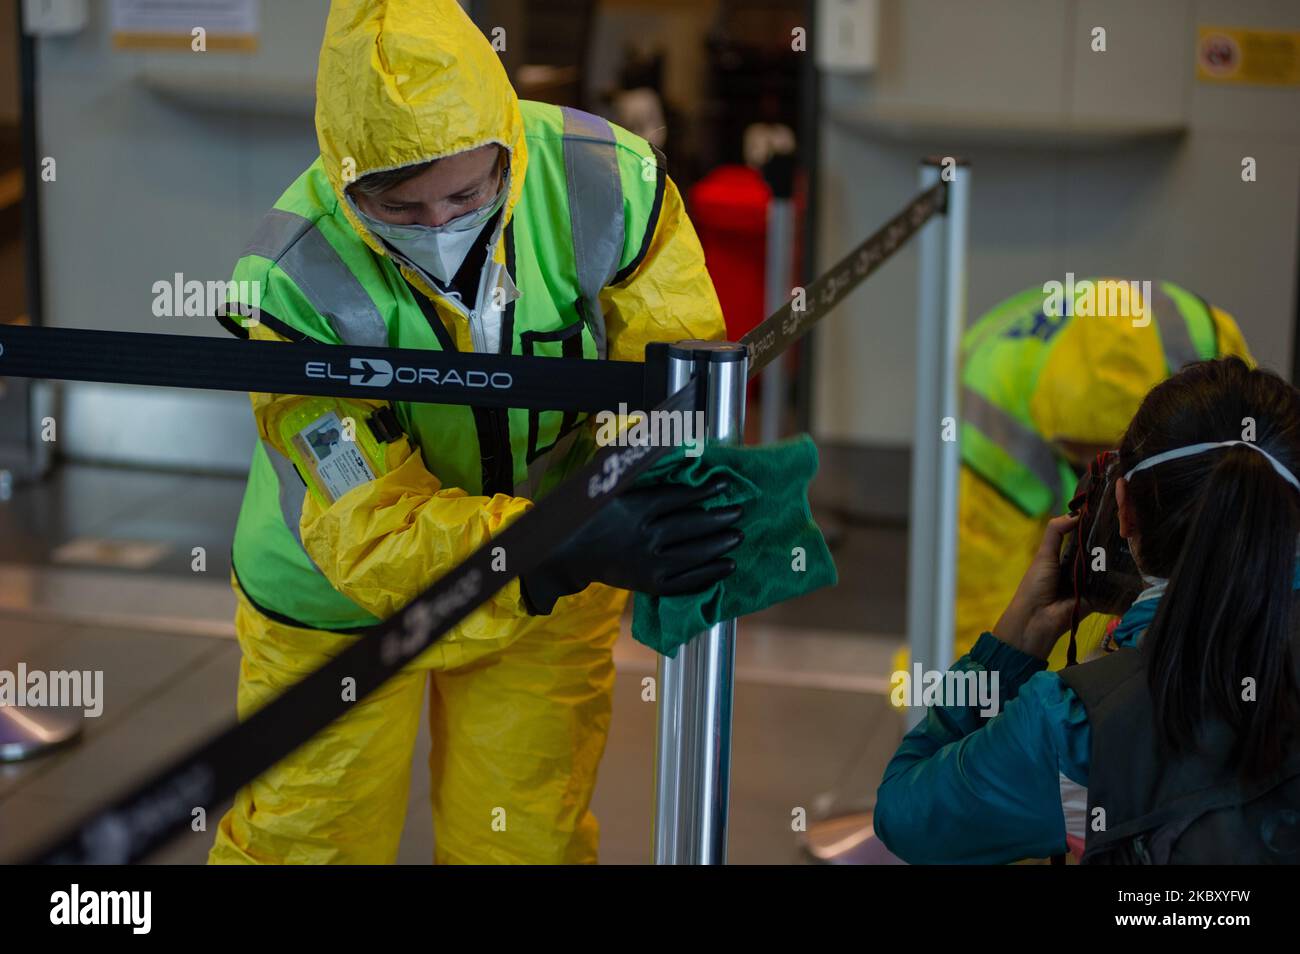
(670, 296)
(382, 543)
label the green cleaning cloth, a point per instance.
(782, 556)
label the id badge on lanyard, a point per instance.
(334, 452)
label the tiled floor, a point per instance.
(162, 694)
(812, 728)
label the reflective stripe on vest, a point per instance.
(1175, 336)
(293, 492)
(306, 256)
(595, 210)
(300, 250)
(1018, 440)
(1025, 446)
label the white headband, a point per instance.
(1192, 449)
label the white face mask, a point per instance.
(439, 250)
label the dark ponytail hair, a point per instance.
(1222, 526)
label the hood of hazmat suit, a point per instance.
(388, 96)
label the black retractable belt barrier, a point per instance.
(163, 805)
(309, 367)
(142, 820)
(789, 322)
(434, 377)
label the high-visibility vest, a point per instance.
(1004, 354)
(584, 220)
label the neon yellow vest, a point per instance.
(320, 281)
(1004, 354)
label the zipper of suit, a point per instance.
(487, 281)
(495, 421)
(477, 335)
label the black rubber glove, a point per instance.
(655, 540)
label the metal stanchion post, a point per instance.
(954, 324)
(693, 744)
(936, 463)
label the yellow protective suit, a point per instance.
(1095, 378)
(519, 706)
(1089, 390)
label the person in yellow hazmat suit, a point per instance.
(443, 213)
(1050, 377)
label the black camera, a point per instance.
(1097, 567)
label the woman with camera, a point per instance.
(1182, 745)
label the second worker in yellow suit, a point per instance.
(1045, 385)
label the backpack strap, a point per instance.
(1151, 797)
(595, 190)
(1114, 695)
(1093, 681)
(1171, 819)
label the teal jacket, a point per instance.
(966, 789)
